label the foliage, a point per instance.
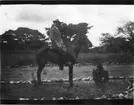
(29, 39)
(121, 42)
(107, 39)
(71, 33)
(22, 38)
(127, 31)
(96, 58)
(15, 58)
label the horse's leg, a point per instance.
(61, 66)
(71, 75)
(39, 73)
(61, 63)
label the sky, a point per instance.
(104, 18)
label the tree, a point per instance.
(71, 33)
(107, 41)
(127, 31)
(9, 40)
(123, 41)
(27, 34)
(22, 38)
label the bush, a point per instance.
(121, 58)
(29, 57)
(94, 58)
(104, 57)
(25, 62)
(18, 58)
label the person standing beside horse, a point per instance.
(100, 76)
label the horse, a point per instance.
(69, 57)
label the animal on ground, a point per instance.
(60, 53)
(69, 58)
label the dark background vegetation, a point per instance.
(18, 47)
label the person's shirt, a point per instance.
(55, 36)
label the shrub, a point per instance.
(105, 57)
(25, 62)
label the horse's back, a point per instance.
(70, 50)
(42, 49)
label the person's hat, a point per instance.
(56, 21)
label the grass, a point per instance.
(105, 57)
(25, 73)
(81, 90)
(29, 57)
(49, 91)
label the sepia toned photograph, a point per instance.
(66, 52)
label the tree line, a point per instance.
(121, 42)
(22, 39)
(28, 39)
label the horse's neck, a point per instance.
(73, 50)
(77, 50)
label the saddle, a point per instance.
(58, 51)
(61, 54)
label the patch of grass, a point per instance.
(29, 57)
(92, 57)
(24, 73)
(104, 57)
(20, 57)
(48, 91)
(81, 90)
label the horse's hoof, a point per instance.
(71, 85)
(39, 83)
(61, 69)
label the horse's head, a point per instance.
(84, 44)
(81, 40)
(81, 43)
